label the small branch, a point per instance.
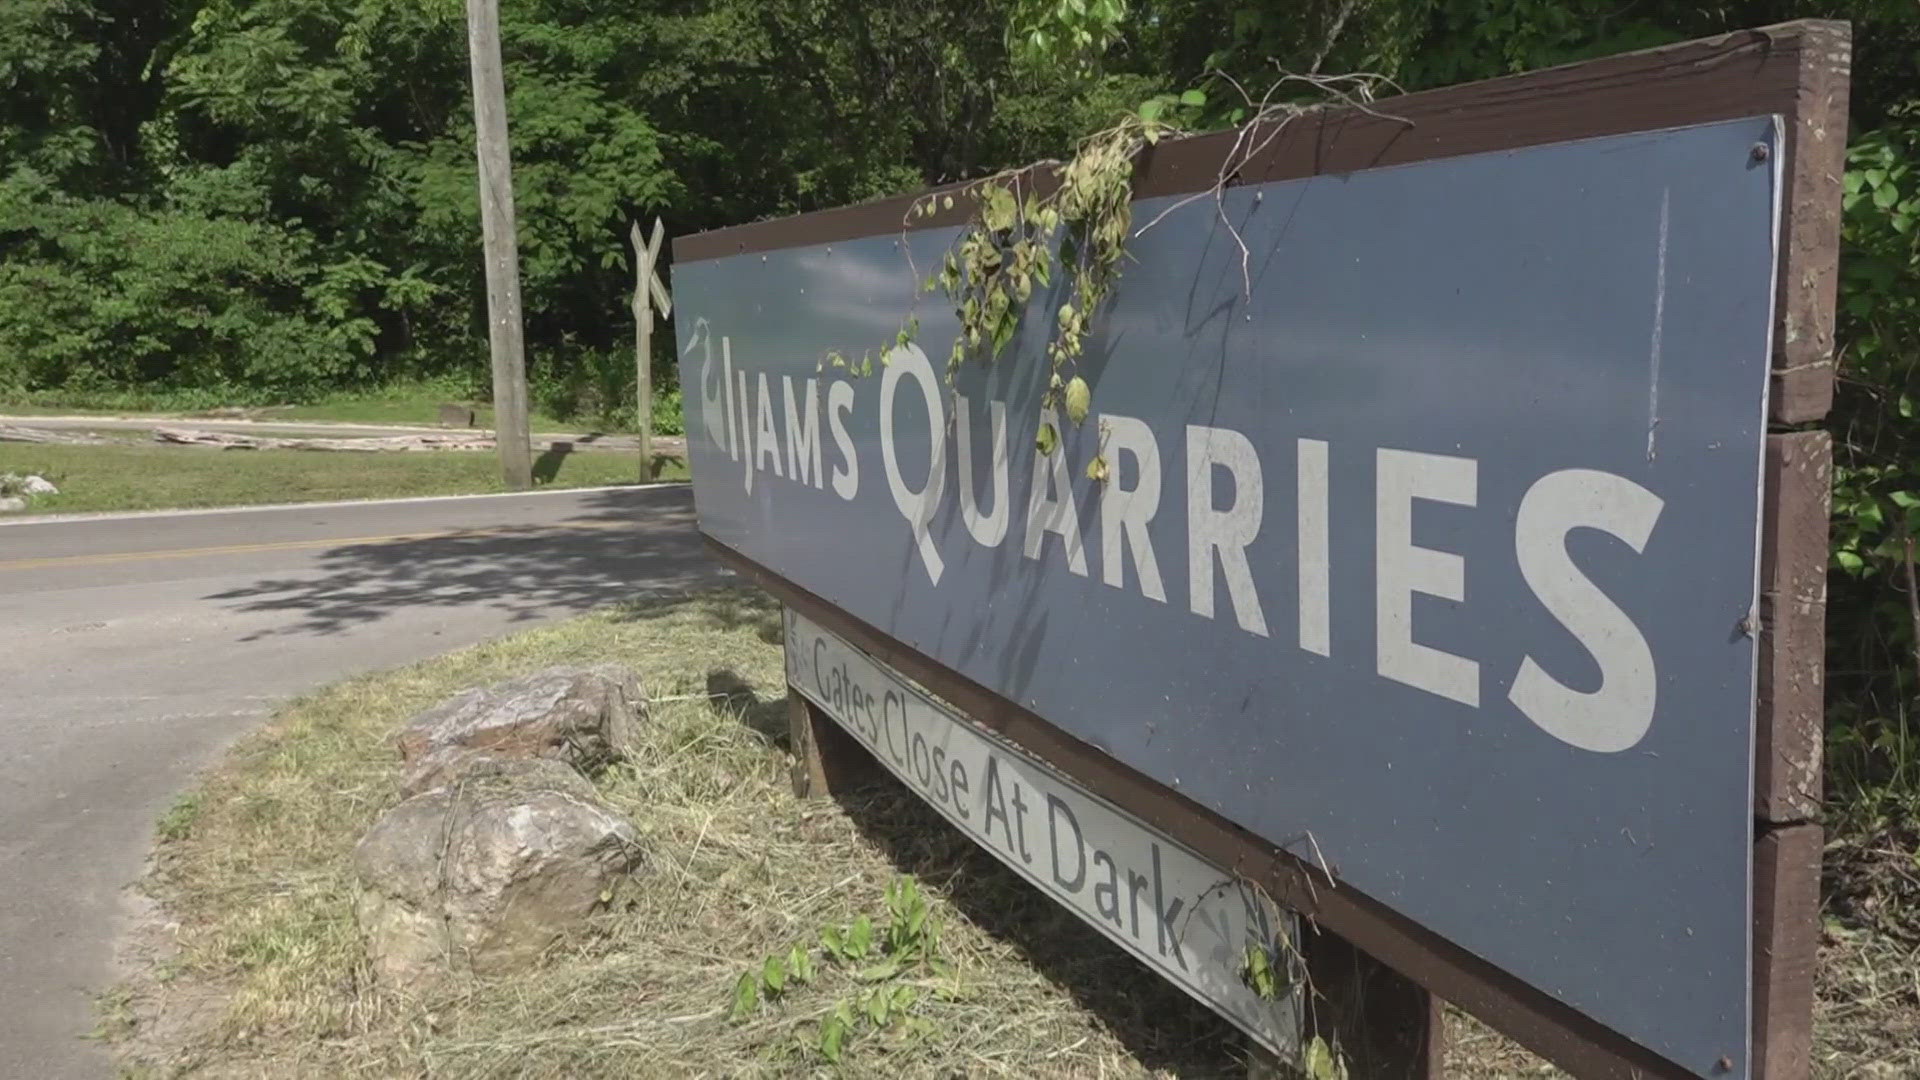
(1333, 35)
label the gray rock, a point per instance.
(487, 873)
(10, 502)
(455, 765)
(584, 716)
(37, 485)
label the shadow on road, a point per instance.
(628, 543)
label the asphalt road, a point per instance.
(134, 648)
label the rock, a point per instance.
(486, 874)
(37, 485)
(585, 717)
(10, 502)
(456, 765)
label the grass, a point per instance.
(406, 405)
(149, 477)
(737, 869)
(411, 404)
(269, 980)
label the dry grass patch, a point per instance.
(264, 975)
(252, 965)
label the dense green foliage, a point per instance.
(262, 200)
(238, 201)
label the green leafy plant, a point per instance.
(1263, 974)
(877, 960)
(1068, 219)
(1321, 1061)
(1874, 616)
(1071, 221)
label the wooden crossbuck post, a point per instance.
(648, 293)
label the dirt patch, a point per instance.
(153, 1016)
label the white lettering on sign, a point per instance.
(1225, 507)
(1402, 568)
(916, 506)
(1617, 715)
(987, 529)
(1316, 616)
(846, 475)
(803, 433)
(1125, 512)
(1187, 920)
(1052, 509)
(1224, 531)
(766, 440)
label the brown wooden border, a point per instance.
(1798, 70)
(1786, 947)
(1790, 725)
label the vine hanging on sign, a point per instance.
(1073, 220)
(1020, 236)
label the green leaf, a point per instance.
(800, 965)
(1003, 332)
(1047, 439)
(774, 974)
(1097, 470)
(879, 1004)
(746, 995)
(1259, 972)
(835, 945)
(878, 972)
(1321, 1063)
(1849, 561)
(1151, 109)
(860, 937)
(1193, 97)
(997, 214)
(1079, 399)
(833, 1033)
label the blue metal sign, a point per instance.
(1428, 550)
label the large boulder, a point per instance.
(487, 872)
(584, 716)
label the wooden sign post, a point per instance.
(648, 293)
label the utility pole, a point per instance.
(504, 340)
(647, 294)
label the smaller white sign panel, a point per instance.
(1189, 921)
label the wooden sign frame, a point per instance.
(1387, 1022)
